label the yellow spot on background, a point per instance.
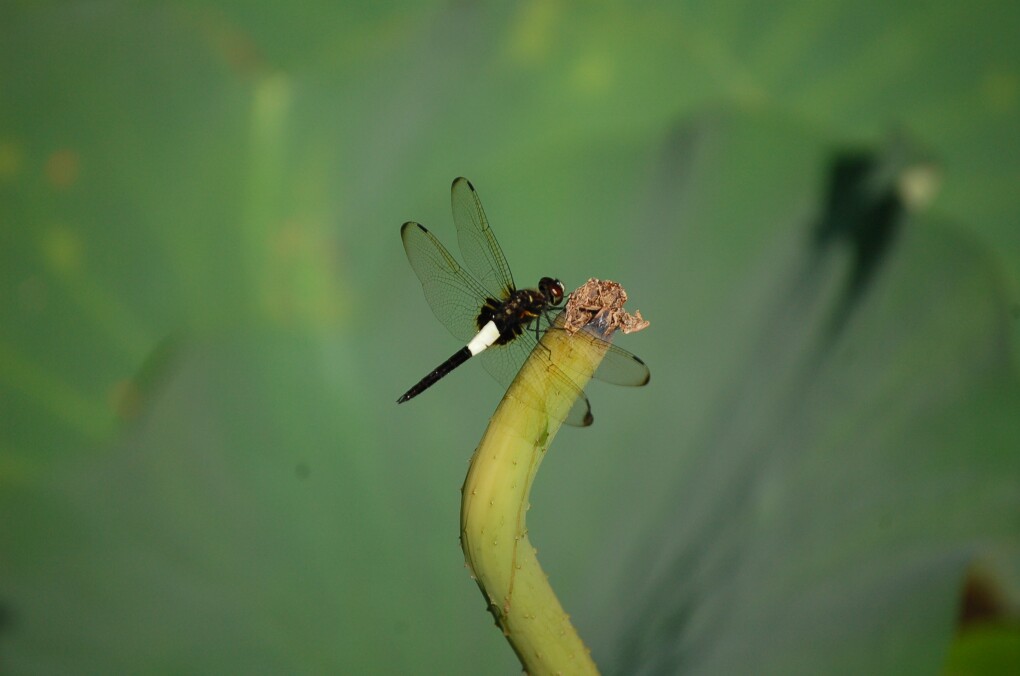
(593, 73)
(62, 168)
(62, 249)
(10, 159)
(532, 34)
(918, 185)
(1000, 92)
(232, 44)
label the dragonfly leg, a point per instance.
(538, 329)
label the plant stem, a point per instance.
(494, 503)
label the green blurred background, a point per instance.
(206, 316)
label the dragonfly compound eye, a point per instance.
(552, 289)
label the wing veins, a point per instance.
(482, 253)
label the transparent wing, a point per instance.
(455, 298)
(505, 361)
(478, 245)
(620, 367)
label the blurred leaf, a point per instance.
(988, 651)
(852, 472)
(205, 317)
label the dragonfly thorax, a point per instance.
(516, 313)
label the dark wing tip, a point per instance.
(411, 224)
(648, 373)
(462, 179)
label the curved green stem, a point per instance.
(495, 501)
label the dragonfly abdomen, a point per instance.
(484, 339)
(458, 358)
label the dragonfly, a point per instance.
(481, 305)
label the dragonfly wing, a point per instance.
(481, 251)
(580, 415)
(620, 367)
(504, 362)
(455, 298)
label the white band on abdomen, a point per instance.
(486, 337)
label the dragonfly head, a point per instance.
(552, 289)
